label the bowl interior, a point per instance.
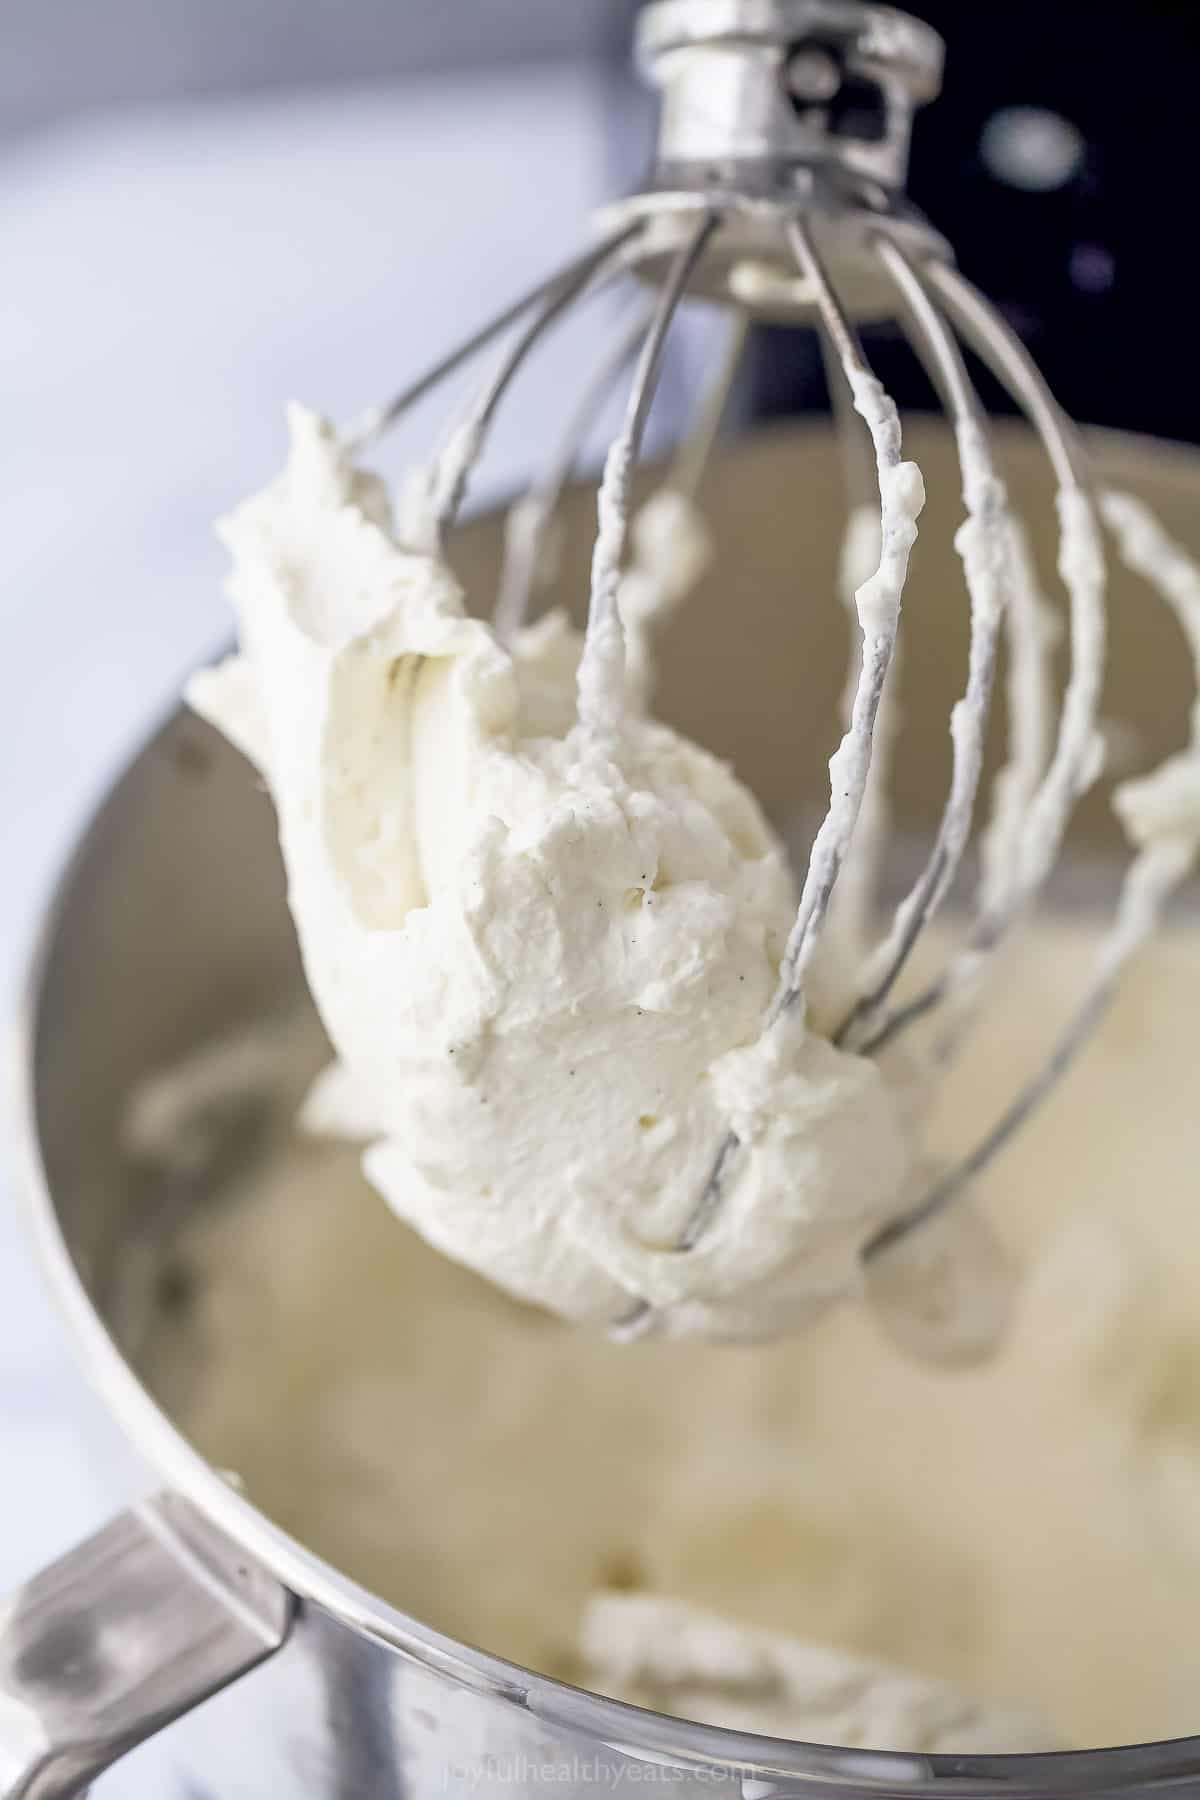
(172, 929)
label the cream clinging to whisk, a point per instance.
(598, 1074)
(543, 956)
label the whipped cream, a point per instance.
(1009, 1530)
(678, 1658)
(543, 930)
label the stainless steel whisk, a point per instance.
(777, 193)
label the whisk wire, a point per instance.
(857, 895)
(466, 443)
(601, 666)
(850, 765)
(1157, 871)
(1149, 884)
(381, 418)
(999, 347)
(531, 517)
(1077, 757)
(984, 545)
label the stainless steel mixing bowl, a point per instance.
(169, 928)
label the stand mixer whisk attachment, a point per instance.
(777, 194)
